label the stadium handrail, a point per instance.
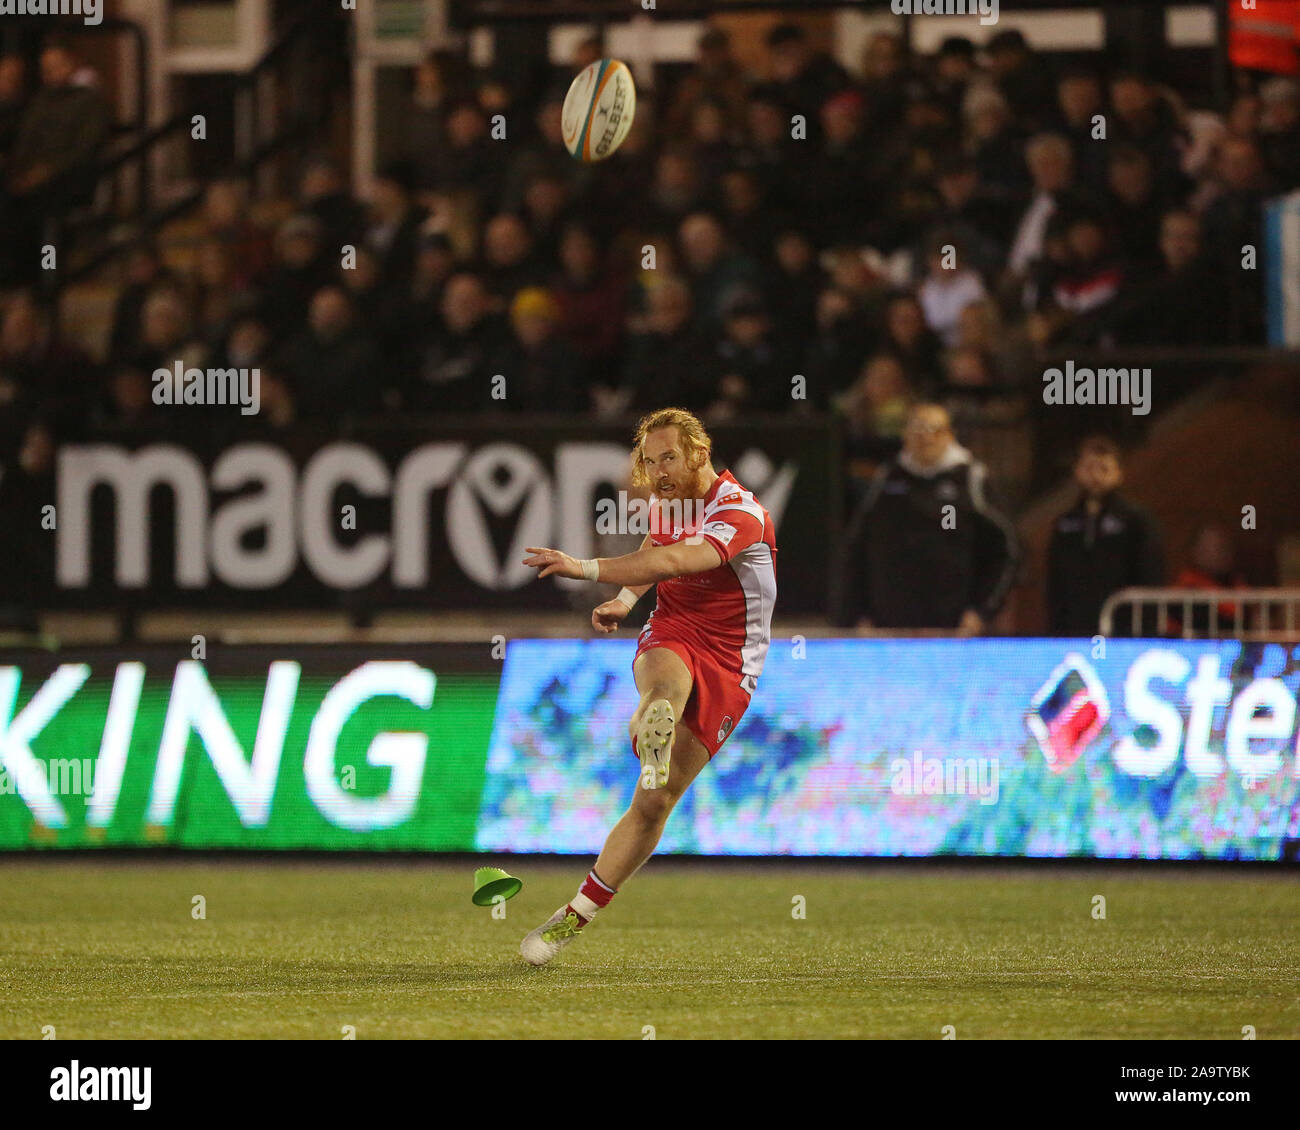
(1210, 601)
(307, 24)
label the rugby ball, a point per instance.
(598, 110)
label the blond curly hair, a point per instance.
(696, 445)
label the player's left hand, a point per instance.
(553, 561)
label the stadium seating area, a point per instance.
(795, 238)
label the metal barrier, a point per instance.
(1252, 613)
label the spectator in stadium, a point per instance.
(1212, 564)
(676, 190)
(545, 153)
(711, 145)
(323, 193)
(144, 272)
(1051, 165)
(843, 188)
(955, 68)
(984, 408)
(714, 267)
(475, 164)
(166, 333)
(842, 341)
(61, 131)
(753, 369)
(750, 224)
(59, 138)
(38, 370)
(663, 360)
(540, 368)
(927, 548)
(792, 283)
(995, 142)
(225, 219)
(803, 78)
(332, 364)
(716, 77)
(394, 231)
(973, 219)
(1280, 130)
(1102, 544)
(301, 268)
(981, 327)
(1233, 221)
(454, 370)
(874, 410)
(1022, 77)
(246, 345)
(27, 486)
(1135, 206)
(1142, 117)
(592, 301)
(417, 305)
(13, 100)
(1080, 98)
(440, 78)
(770, 151)
(1179, 302)
(128, 402)
(546, 208)
(916, 346)
(949, 286)
(1086, 284)
(509, 262)
(887, 81)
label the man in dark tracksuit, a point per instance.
(1100, 545)
(926, 548)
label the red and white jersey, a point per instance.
(727, 611)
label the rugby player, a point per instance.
(699, 655)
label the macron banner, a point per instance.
(429, 517)
(1146, 749)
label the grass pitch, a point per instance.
(111, 950)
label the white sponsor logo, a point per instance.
(720, 530)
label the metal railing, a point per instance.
(304, 60)
(1260, 615)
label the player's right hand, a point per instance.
(607, 617)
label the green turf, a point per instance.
(300, 949)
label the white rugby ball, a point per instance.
(598, 110)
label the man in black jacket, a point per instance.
(1100, 545)
(926, 548)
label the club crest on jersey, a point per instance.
(725, 728)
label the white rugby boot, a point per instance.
(542, 944)
(654, 743)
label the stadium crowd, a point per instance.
(917, 231)
(943, 219)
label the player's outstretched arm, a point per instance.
(647, 566)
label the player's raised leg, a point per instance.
(664, 682)
(659, 677)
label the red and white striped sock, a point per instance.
(592, 896)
